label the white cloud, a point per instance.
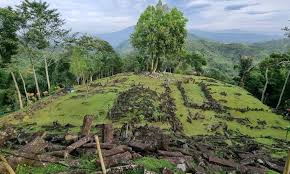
(256, 15)
(99, 16)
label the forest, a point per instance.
(163, 75)
(38, 55)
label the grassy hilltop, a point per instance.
(194, 105)
(237, 110)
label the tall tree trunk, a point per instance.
(24, 87)
(242, 81)
(155, 65)
(265, 86)
(47, 75)
(36, 83)
(83, 81)
(152, 63)
(91, 79)
(78, 80)
(17, 90)
(282, 92)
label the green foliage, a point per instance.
(221, 58)
(41, 24)
(277, 75)
(78, 64)
(193, 59)
(134, 63)
(9, 24)
(155, 165)
(271, 172)
(159, 33)
(96, 56)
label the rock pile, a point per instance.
(137, 102)
(197, 154)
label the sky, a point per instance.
(104, 16)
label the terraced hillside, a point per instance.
(195, 105)
(212, 123)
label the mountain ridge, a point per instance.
(224, 36)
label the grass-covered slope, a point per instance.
(201, 106)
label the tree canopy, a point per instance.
(159, 34)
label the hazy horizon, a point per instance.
(105, 16)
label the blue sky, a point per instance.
(102, 16)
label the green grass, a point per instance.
(49, 169)
(73, 107)
(155, 165)
(87, 164)
(236, 97)
(194, 93)
(271, 172)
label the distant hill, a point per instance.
(226, 36)
(235, 36)
(116, 38)
(222, 56)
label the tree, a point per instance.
(133, 63)
(80, 67)
(245, 66)
(159, 33)
(266, 85)
(195, 60)
(17, 90)
(9, 25)
(78, 64)
(267, 78)
(270, 65)
(99, 55)
(287, 65)
(20, 64)
(41, 28)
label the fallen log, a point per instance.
(103, 145)
(108, 133)
(222, 162)
(19, 158)
(54, 147)
(77, 144)
(112, 161)
(7, 134)
(37, 146)
(87, 124)
(136, 155)
(115, 151)
(169, 154)
(177, 160)
(251, 169)
(123, 169)
(274, 167)
(141, 147)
